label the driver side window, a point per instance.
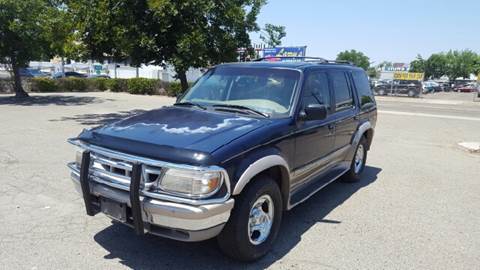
(316, 90)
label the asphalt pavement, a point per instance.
(416, 207)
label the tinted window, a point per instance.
(316, 89)
(364, 92)
(343, 95)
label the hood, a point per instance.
(165, 132)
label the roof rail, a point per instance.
(305, 59)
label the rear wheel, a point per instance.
(411, 93)
(254, 222)
(358, 163)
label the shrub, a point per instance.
(73, 84)
(141, 86)
(116, 85)
(174, 89)
(44, 85)
(98, 84)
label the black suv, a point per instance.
(402, 87)
(247, 142)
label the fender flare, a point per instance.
(257, 167)
(362, 129)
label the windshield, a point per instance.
(266, 90)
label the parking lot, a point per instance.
(417, 206)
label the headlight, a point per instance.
(190, 183)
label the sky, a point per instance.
(394, 31)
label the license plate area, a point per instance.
(113, 209)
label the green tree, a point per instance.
(113, 30)
(436, 66)
(200, 33)
(372, 72)
(460, 63)
(417, 65)
(272, 35)
(186, 34)
(22, 37)
(58, 31)
(356, 57)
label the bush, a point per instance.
(142, 86)
(73, 84)
(174, 89)
(137, 86)
(98, 84)
(44, 85)
(117, 85)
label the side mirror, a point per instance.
(314, 112)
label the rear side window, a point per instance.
(364, 92)
(343, 93)
(316, 90)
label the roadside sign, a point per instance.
(408, 76)
(98, 69)
(284, 51)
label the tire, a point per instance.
(411, 93)
(235, 240)
(353, 175)
(381, 92)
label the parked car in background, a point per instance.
(69, 74)
(466, 88)
(93, 76)
(400, 87)
(431, 87)
(446, 86)
(32, 73)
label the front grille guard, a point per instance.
(135, 180)
(133, 184)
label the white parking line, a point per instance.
(443, 116)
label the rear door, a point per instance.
(344, 109)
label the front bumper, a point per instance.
(167, 219)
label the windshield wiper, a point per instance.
(242, 108)
(191, 104)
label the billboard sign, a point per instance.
(284, 52)
(408, 76)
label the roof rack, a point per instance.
(305, 59)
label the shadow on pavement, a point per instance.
(49, 100)
(92, 119)
(150, 252)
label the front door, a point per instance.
(315, 138)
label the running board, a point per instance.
(313, 186)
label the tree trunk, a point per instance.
(182, 76)
(17, 82)
(63, 67)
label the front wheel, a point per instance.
(254, 222)
(358, 162)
